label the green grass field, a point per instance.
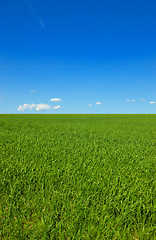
(78, 177)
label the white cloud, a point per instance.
(98, 103)
(32, 91)
(20, 108)
(130, 100)
(56, 107)
(31, 106)
(56, 100)
(42, 106)
(90, 105)
(26, 106)
(142, 99)
(152, 102)
(37, 107)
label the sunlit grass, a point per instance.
(78, 176)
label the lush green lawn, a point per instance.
(78, 177)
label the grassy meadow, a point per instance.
(82, 177)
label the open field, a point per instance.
(78, 177)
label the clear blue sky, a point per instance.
(95, 56)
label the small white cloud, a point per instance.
(42, 106)
(34, 91)
(31, 106)
(152, 102)
(37, 107)
(130, 100)
(20, 108)
(56, 107)
(89, 105)
(26, 106)
(142, 99)
(98, 103)
(56, 100)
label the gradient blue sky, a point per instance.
(96, 53)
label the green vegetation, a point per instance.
(78, 177)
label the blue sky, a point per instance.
(78, 56)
